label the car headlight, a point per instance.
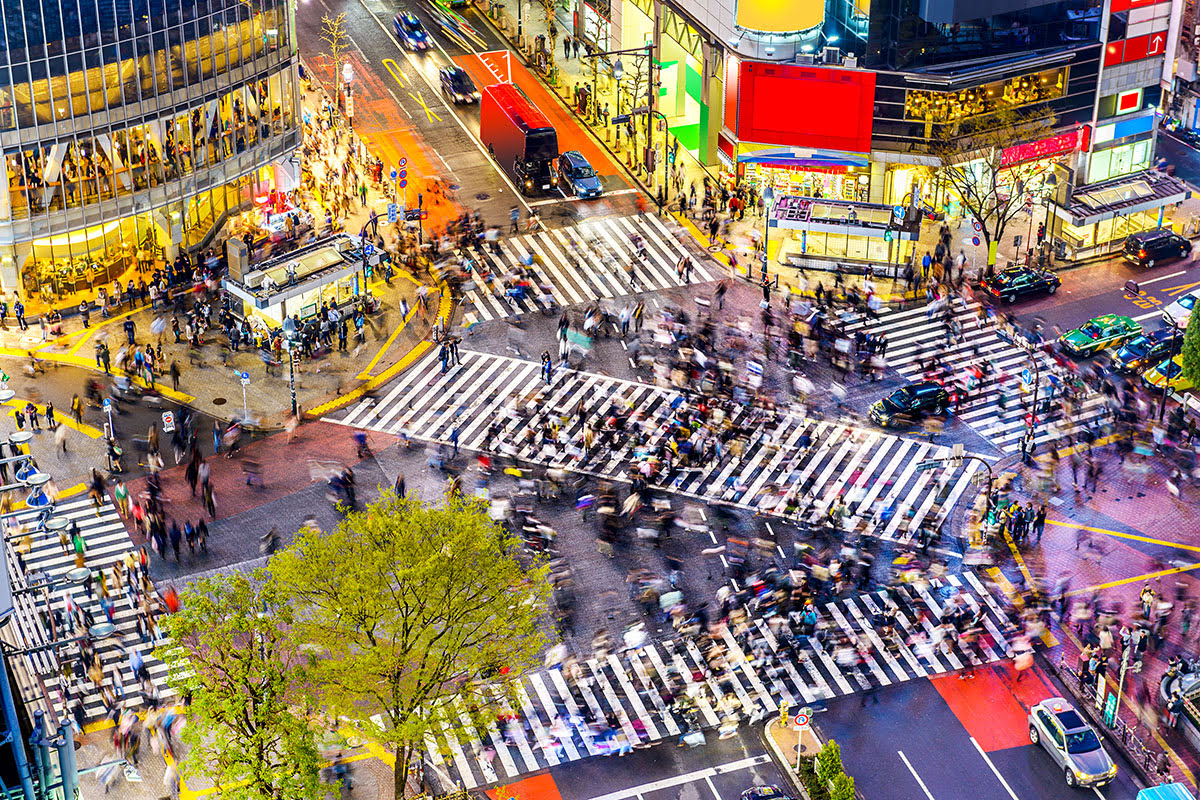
(1112, 770)
(1081, 775)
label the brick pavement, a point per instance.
(1109, 544)
(284, 469)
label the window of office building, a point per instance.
(1117, 161)
(1024, 90)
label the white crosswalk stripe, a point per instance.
(106, 542)
(581, 274)
(789, 460)
(642, 692)
(913, 337)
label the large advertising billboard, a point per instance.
(804, 106)
(780, 16)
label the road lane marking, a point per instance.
(995, 771)
(1162, 278)
(716, 794)
(1175, 291)
(1147, 315)
(1134, 537)
(479, 145)
(429, 113)
(920, 782)
(1135, 579)
(678, 780)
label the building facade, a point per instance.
(132, 129)
(843, 99)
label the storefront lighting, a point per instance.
(771, 51)
(806, 48)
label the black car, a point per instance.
(911, 403)
(1159, 244)
(458, 85)
(1015, 282)
(1147, 350)
(767, 792)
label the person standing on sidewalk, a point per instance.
(567, 46)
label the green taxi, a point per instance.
(1110, 330)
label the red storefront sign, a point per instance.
(1045, 148)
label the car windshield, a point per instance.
(1137, 348)
(1187, 301)
(902, 397)
(461, 82)
(1171, 369)
(1084, 741)
(412, 25)
(584, 172)
(1092, 330)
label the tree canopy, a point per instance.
(417, 615)
(249, 730)
(971, 154)
(1191, 350)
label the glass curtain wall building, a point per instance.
(131, 129)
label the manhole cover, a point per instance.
(219, 401)
(454, 187)
(482, 196)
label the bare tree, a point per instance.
(972, 156)
(335, 34)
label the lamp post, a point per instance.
(769, 201)
(1049, 187)
(618, 70)
(289, 332)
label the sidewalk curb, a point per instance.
(785, 766)
(445, 310)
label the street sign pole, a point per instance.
(245, 376)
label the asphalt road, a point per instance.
(950, 738)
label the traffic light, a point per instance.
(887, 235)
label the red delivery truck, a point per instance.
(519, 136)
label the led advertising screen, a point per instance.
(802, 106)
(780, 16)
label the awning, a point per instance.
(803, 158)
(1119, 197)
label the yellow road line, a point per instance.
(1135, 579)
(411, 356)
(1083, 448)
(1135, 537)
(1007, 587)
(412, 312)
(81, 427)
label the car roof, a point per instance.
(1071, 721)
(1153, 233)
(1160, 335)
(769, 790)
(575, 157)
(409, 17)
(923, 386)
(453, 69)
(1109, 319)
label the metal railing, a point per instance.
(1124, 735)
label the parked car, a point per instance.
(1071, 742)
(458, 85)
(911, 403)
(767, 792)
(1158, 244)
(1178, 313)
(1016, 282)
(576, 174)
(1147, 349)
(1170, 372)
(411, 32)
(1110, 330)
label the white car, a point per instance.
(1179, 312)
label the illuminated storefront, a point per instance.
(821, 234)
(1098, 217)
(176, 116)
(1023, 90)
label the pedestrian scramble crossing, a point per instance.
(47, 565)
(765, 666)
(790, 464)
(582, 275)
(913, 336)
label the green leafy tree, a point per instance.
(829, 761)
(1191, 350)
(842, 787)
(248, 728)
(419, 614)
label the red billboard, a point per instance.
(1046, 148)
(802, 106)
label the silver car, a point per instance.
(1071, 742)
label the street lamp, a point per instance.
(1049, 187)
(769, 200)
(289, 344)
